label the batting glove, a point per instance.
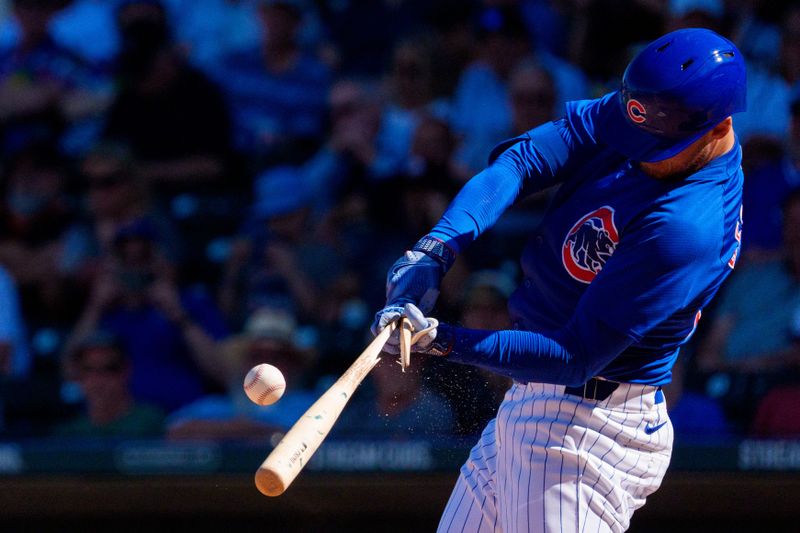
(416, 276)
(425, 338)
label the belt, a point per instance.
(600, 389)
(594, 389)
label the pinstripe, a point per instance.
(530, 455)
(579, 476)
(561, 469)
(509, 454)
(530, 465)
(460, 501)
(591, 497)
(583, 472)
(544, 466)
(478, 509)
(483, 506)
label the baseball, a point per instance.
(264, 384)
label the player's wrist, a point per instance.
(437, 250)
(443, 343)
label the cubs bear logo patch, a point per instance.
(589, 244)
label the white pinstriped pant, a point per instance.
(554, 462)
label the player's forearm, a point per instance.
(564, 357)
(521, 355)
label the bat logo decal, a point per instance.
(589, 244)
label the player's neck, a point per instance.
(723, 145)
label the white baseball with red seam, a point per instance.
(264, 384)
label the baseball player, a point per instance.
(645, 226)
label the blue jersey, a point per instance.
(622, 264)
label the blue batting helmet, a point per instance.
(676, 89)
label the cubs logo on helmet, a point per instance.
(589, 244)
(636, 111)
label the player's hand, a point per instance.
(383, 318)
(424, 330)
(414, 278)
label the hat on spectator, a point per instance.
(278, 191)
(271, 324)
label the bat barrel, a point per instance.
(293, 452)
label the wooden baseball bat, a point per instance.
(292, 453)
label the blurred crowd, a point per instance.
(190, 188)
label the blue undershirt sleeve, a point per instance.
(570, 356)
(530, 162)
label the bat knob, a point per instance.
(269, 483)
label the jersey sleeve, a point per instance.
(530, 162)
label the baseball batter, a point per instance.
(645, 226)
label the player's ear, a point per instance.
(721, 130)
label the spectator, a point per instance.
(34, 214)
(170, 115)
(276, 262)
(531, 100)
(423, 189)
(410, 96)
(368, 50)
(772, 173)
(269, 337)
(353, 156)
(169, 332)
(277, 92)
(752, 329)
(769, 91)
(758, 34)
(47, 93)
(102, 370)
(481, 105)
(453, 43)
(116, 198)
(364, 212)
